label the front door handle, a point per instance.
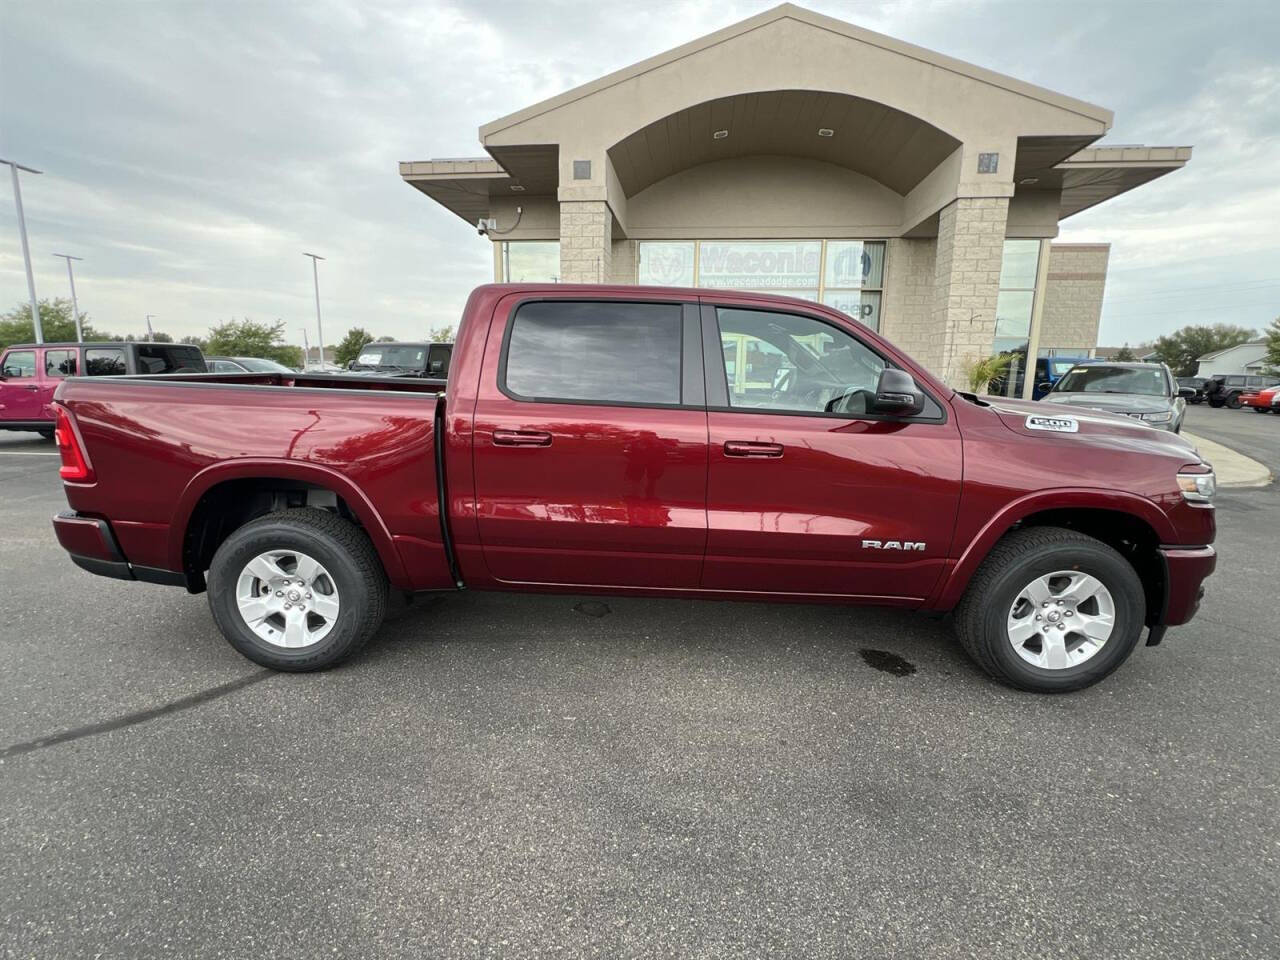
(521, 438)
(752, 449)
(31, 389)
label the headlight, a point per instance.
(1198, 487)
(1158, 417)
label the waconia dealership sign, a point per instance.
(760, 266)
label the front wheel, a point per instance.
(1233, 401)
(1051, 610)
(297, 589)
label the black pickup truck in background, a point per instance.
(404, 359)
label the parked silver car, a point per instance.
(1143, 391)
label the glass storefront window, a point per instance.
(1018, 264)
(531, 261)
(1013, 313)
(845, 274)
(759, 265)
(667, 264)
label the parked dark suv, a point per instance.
(1194, 383)
(1230, 387)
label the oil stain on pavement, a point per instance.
(887, 662)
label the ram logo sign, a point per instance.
(1053, 424)
(893, 545)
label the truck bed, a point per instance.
(165, 448)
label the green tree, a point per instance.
(1273, 343)
(249, 338)
(1124, 354)
(441, 334)
(55, 320)
(351, 345)
(1181, 349)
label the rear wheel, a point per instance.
(1233, 401)
(297, 589)
(1051, 610)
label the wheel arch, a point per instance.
(207, 490)
(1127, 522)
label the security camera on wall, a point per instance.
(483, 226)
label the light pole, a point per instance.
(150, 335)
(75, 308)
(306, 349)
(315, 276)
(26, 251)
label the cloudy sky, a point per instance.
(193, 150)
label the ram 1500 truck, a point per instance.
(641, 441)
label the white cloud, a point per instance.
(194, 150)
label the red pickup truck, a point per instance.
(646, 441)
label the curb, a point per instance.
(1234, 469)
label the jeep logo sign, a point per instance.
(1053, 424)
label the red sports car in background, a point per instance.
(1268, 398)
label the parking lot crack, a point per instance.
(139, 716)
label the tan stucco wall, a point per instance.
(765, 197)
(966, 282)
(907, 308)
(1073, 295)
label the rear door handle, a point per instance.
(752, 449)
(32, 389)
(521, 438)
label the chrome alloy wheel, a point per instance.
(287, 598)
(1061, 620)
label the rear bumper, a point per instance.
(93, 547)
(1185, 570)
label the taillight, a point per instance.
(75, 466)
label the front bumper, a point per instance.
(1185, 570)
(93, 546)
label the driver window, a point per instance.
(780, 361)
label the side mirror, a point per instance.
(1186, 392)
(897, 393)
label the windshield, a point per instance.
(1148, 381)
(1058, 367)
(404, 356)
(259, 365)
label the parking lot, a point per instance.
(504, 776)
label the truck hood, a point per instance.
(1125, 403)
(1073, 423)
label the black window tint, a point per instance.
(602, 351)
(104, 362)
(154, 358)
(60, 363)
(19, 364)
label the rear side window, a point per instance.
(153, 358)
(104, 362)
(602, 352)
(60, 363)
(19, 364)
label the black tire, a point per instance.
(980, 617)
(341, 547)
(1233, 401)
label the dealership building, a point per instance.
(795, 153)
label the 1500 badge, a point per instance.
(1053, 424)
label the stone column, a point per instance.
(966, 281)
(586, 237)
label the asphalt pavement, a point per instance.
(523, 776)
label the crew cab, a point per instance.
(649, 442)
(31, 372)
